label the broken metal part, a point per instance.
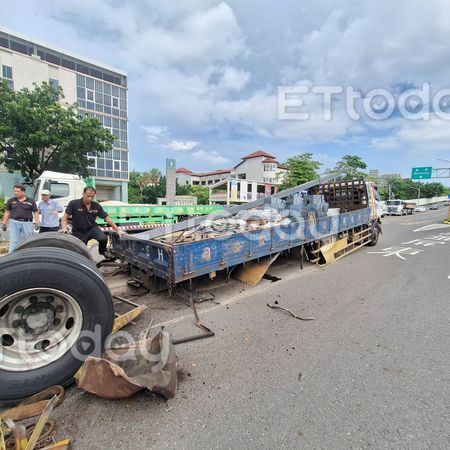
(128, 317)
(123, 371)
(252, 272)
(35, 405)
(289, 312)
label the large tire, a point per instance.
(77, 289)
(58, 240)
(375, 231)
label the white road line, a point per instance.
(433, 226)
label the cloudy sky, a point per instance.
(204, 75)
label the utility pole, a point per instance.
(418, 199)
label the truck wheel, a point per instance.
(55, 310)
(58, 240)
(374, 235)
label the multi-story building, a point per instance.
(259, 166)
(99, 90)
(382, 179)
(262, 167)
(186, 176)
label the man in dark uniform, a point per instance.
(20, 209)
(84, 212)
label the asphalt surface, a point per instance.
(371, 371)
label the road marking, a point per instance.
(397, 251)
(433, 226)
(416, 222)
(423, 243)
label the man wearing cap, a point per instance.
(20, 211)
(84, 212)
(49, 210)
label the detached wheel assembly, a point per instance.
(55, 310)
(56, 240)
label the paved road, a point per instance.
(371, 371)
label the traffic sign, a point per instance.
(421, 173)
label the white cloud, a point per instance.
(429, 137)
(181, 145)
(233, 79)
(155, 133)
(210, 157)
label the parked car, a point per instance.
(434, 207)
(420, 209)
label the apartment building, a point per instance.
(259, 166)
(99, 90)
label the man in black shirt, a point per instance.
(20, 210)
(84, 212)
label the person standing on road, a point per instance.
(20, 211)
(84, 212)
(49, 210)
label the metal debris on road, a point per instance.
(123, 371)
(18, 436)
(289, 312)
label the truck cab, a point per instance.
(395, 207)
(63, 186)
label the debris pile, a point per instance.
(298, 207)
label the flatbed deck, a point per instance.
(177, 262)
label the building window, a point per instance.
(53, 83)
(90, 83)
(90, 95)
(7, 72)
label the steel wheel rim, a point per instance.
(37, 327)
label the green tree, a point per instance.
(38, 133)
(433, 189)
(154, 176)
(405, 189)
(2, 206)
(202, 194)
(153, 192)
(350, 166)
(183, 189)
(135, 194)
(302, 168)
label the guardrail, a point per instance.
(428, 201)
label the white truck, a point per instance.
(63, 186)
(399, 208)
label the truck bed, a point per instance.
(180, 261)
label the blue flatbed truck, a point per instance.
(172, 255)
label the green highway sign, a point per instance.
(421, 173)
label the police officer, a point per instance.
(84, 212)
(49, 209)
(20, 211)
